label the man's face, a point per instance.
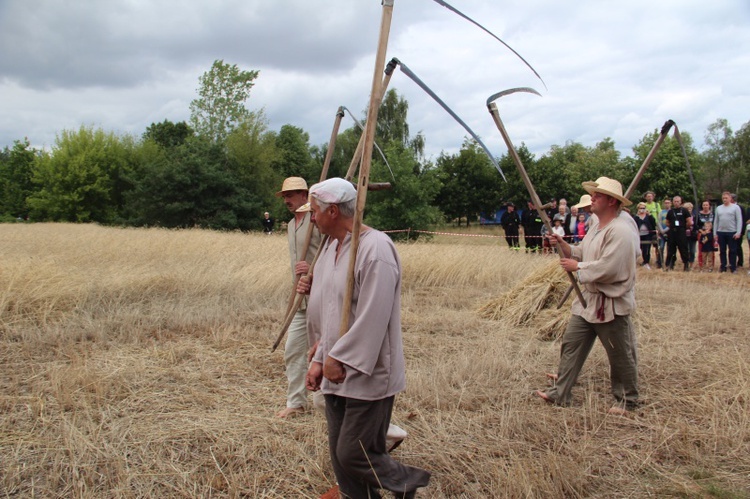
(561, 210)
(320, 217)
(511, 209)
(574, 211)
(599, 203)
(667, 204)
(294, 199)
(726, 198)
(677, 201)
(649, 198)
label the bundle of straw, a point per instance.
(533, 302)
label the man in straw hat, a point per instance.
(360, 372)
(605, 263)
(294, 193)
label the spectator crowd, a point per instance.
(667, 229)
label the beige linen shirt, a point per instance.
(371, 350)
(296, 234)
(606, 269)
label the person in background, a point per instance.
(740, 252)
(532, 228)
(510, 222)
(582, 227)
(679, 221)
(727, 231)
(654, 208)
(703, 216)
(267, 223)
(663, 229)
(707, 246)
(691, 235)
(646, 231)
(294, 193)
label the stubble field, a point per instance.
(136, 363)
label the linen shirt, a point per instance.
(606, 270)
(295, 235)
(371, 350)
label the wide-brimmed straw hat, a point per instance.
(608, 186)
(584, 202)
(292, 184)
(304, 208)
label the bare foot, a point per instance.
(544, 396)
(617, 410)
(290, 412)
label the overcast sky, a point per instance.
(612, 69)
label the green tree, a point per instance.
(721, 171)
(192, 186)
(408, 204)
(469, 183)
(168, 134)
(16, 169)
(220, 106)
(295, 159)
(83, 178)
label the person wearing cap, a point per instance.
(294, 193)
(361, 371)
(267, 223)
(605, 263)
(510, 222)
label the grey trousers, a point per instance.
(295, 360)
(356, 441)
(618, 341)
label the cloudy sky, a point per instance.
(612, 69)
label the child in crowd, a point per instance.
(558, 227)
(581, 228)
(708, 247)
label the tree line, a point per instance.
(221, 169)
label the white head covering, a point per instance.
(333, 191)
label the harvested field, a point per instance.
(136, 363)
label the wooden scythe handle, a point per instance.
(364, 169)
(530, 187)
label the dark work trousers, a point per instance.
(646, 251)
(727, 241)
(677, 240)
(511, 237)
(356, 441)
(618, 339)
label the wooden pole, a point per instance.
(364, 170)
(349, 174)
(636, 180)
(530, 187)
(323, 175)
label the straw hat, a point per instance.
(608, 186)
(584, 202)
(292, 184)
(304, 208)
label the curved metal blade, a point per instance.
(502, 93)
(408, 72)
(456, 11)
(361, 127)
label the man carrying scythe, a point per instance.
(361, 372)
(605, 264)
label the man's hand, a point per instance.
(303, 285)
(311, 352)
(301, 268)
(314, 376)
(334, 370)
(569, 265)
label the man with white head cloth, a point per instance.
(361, 371)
